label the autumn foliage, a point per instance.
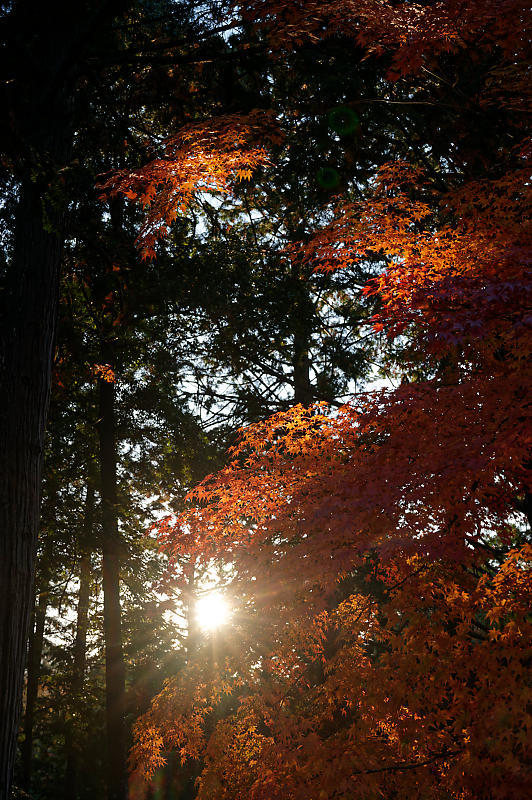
(380, 569)
(202, 157)
(414, 34)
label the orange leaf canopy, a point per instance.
(203, 157)
(382, 633)
(384, 627)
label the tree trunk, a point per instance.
(72, 744)
(301, 324)
(192, 639)
(35, 647)
(26, 362)
(42, 46)
(303, 392)
(114, 661)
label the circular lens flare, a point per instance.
(212, 611)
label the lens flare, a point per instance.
(212, 611)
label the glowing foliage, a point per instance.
(382, 646)
(411, 32)
(202, 157)
(104, 372)
(451, 281)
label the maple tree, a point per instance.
(202, 157)
(380, 558)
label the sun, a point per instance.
(212, 611)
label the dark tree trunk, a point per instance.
(526, 505)
(112, 546)
(303, 392)
(35, 647)
(190, 611)
(25, 363)
(72, 744)
(42, 45)
(301, 324)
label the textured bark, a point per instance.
(42, 46)
(112, 546)
(72, 744)
(26, 360)
(35, 646)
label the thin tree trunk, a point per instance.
(190, 611)
(72, 744)
(303, 392)
(35, 647)
(301, 322)
(170, 771)
(114, 660)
